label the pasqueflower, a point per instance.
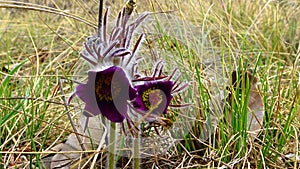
(108, 88)
(155, 93)
(106, 92)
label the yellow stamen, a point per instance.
(152, 98)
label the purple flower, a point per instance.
(154, 98)
(155, 93)
(106, 92)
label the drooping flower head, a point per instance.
(156, 92)
(154, 96)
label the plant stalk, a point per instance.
(112, 146)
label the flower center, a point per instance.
(152, 98)
(104, 87)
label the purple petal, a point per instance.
(109, 110)
(86, 93)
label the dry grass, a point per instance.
(206, 40)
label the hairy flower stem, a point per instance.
(136, 149)
(136, 152)
(112, 146)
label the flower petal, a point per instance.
(86, 92)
